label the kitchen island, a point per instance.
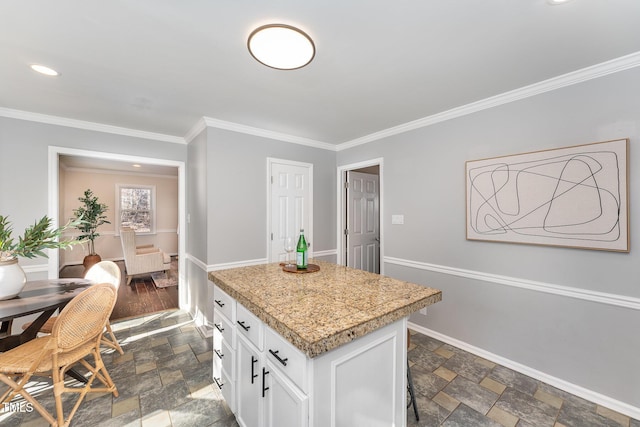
(319, 349)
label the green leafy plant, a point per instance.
(35, 240)
(92, 214)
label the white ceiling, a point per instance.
(162, 65)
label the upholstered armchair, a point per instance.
(141, 259)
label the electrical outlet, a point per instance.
(423, 311)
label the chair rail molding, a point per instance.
(330, 252)
(549, 288)
(236, 264)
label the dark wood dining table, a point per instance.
(38, 296)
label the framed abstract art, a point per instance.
(574, 197)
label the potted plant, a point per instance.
(32, 243)
(93, 216)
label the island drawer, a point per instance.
(250, 326)
(224, 358)
(291, 361)
(223, 302)
(222, 329)
(227, 387)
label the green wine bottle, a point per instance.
(301, 252)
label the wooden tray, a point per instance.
(311, 268)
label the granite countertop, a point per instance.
(320, 311)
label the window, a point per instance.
(137, 207)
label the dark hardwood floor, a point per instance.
(139, 298)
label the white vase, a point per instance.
(12, 279)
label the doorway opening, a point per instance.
(360, 209)
(99, 171)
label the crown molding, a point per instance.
(589, 73)
(264, 133)
(200, 126)
(80, 124)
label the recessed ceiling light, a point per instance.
(281, 46)
(44, 70)
(556, 2)
(136, 166)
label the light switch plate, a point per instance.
(397, 219)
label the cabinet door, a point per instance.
(285, 404)
(249, 385)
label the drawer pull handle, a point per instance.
(220, 303)
(241, 323)
(219, 354)
(281, 360)
(218, 383)
(219, 327)
(264, 374)
(253, 364)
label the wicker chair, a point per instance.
(141, 259)
(76, 334)
(102, 272)
(106, 272)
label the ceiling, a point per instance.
(162, 65)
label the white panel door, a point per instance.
(291, 205)
(363, 222)
(285, 405)
(250, 404)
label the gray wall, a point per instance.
(589, 344)
(197, 202)
(24, 151)
(227, 204)
(237, 192)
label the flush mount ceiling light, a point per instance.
(281, 46)
(44, 70)
(555, 2)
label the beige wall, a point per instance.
(73, 183)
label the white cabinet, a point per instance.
(249, 326)
(249, 385)
(268, 382)
(265, 397)
(285, 404)
(289, 360)
(224, 345)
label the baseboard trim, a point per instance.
(330, 252)
(549, 288)
(590, 395)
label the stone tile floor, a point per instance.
(164, 379)
(455, 388)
